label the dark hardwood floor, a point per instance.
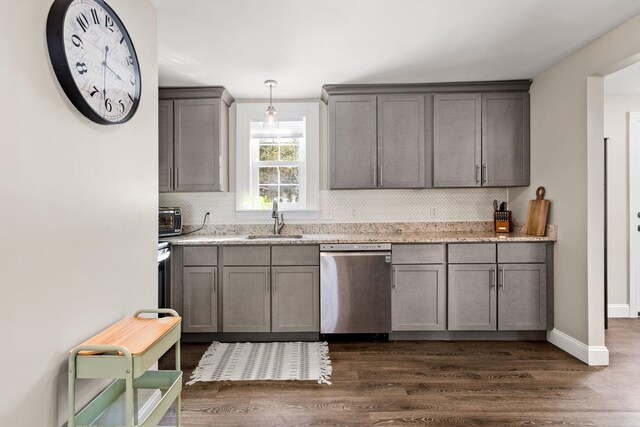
(438, 383)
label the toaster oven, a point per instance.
(169, 222)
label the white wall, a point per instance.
(616, 128)
(78, 213)
(560, 161)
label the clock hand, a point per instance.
(115, 74)
(104, 74)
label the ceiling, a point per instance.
(624, 82)
(307, 43)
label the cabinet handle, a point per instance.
(476, 176)
(375, 176)
(215, 281)
(266, 282)
(177, 178)
(484, 173)
(381, 177)
(493, 279)
(395, 277)
(170, 177)
(502, 270)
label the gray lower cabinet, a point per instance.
(505, 139)
(246, 301)
(295, 299)
(418, 298)
(352, 142)
(457, 140)
(522, 297)
(472, 297)
(401, 141)
(200, 299)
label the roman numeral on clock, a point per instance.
(96, 18)
(83, 22)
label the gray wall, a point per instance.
(560, 162)
(78, 213)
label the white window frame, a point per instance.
(247, 169)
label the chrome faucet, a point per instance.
(279, 217)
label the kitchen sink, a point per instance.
(275, 236)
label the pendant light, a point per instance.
(270, 118)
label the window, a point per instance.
(278, 162)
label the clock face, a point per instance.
(94, 59)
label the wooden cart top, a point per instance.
(135, 333)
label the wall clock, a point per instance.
(94, 60)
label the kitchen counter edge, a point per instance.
(316, 239)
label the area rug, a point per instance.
(302, 361)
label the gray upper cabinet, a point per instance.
(522, 297)
(295, 299)
(200, 299)
(418, 298)
(429, 135)
(352, 142)
(472, 297)
(165, 148)
(457, 140)
(246, 299)
(194, 139)
(196, 145)
(401, 141)
(505, 139)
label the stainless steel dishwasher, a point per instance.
(355, 289)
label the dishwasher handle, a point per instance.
(346, 254)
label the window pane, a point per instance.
(268, 193)
(289, 193)
(268, 175)
(289, 175)
(268, 153)
(289, 152)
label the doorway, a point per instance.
(622, 131)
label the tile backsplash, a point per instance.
(354, 206)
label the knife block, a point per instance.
(502, 221)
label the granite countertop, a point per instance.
(411, 237)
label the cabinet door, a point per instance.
(457, 140)
(197, 156)
(165, 148)
(505, 139)
(472, 297)
(246, 300)
(418, 298)
(352, 142)
(401, 141)
(522, 297)
(200, 299)
(295, 299)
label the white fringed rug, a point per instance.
(303, 361)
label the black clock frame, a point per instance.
(58, 57)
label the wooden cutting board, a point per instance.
(536, 224)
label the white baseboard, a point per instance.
(619, 310)
(591, 355)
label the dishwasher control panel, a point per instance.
(355, 247)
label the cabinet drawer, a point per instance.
(417, 254)
(200, 255)
(522, 252)
(472, 253)
(295, 255)
(246, 255)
